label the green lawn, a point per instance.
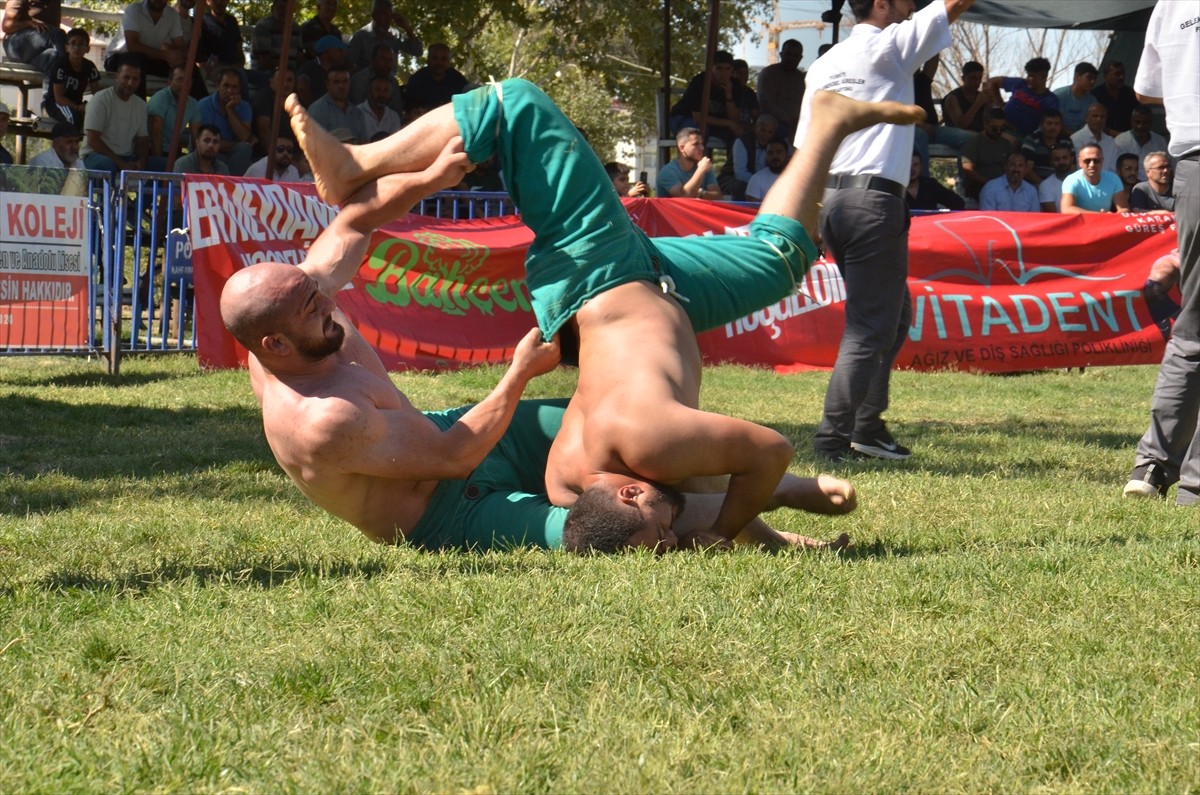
(174, 617)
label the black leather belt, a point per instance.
(866, 182)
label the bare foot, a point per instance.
(804, 542)
(822, 494)
(852, 115)
(334, 169)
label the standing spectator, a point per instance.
(1029, 98)
(1117, 98)
(1075, 99)
(762, 180)
(161, 111)
(1091, 189)
(966, 106)
(864, 221)
(33, 32)
(116, 136)
(334, 111)
(311, 76)
(64, 148)
(1155, 194)
(1040, 143)
(68, 78)
(781, 87)
(434, 84)
(379, 33)
(267, 42)
(383, 65)
(378, 119)
(1062, 160)
(690, 174)
(262, 106)
(282, 170)
(1170, 450)
(320, 26)
(1139, 139)
(724, 116)
(221, 37)
(926, 193)
(204, 160)
(1093, 133)
(152, 35)
(1010, 192)
(6, 158)
(746, 97)
(619, 174)
(231, 115)
(984, 155)
(749, 155)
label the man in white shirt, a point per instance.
(378, 118)
(1093, 132)
(1139, 139)
(764, 178)
(284, 171)
(1062, 160)
(152, 33)
(866, 190)
(1010, 192)
(64, 148)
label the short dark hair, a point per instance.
(1063, 145)
(1121, 158)
(1035, 65)
(994, 114)
(598, 523)
(1085, 68)
(79, 33)
(212, 128)
(229, 70)
(971, 67)
(1051, 114)
(861, 9)
(127, 59)
(722, 56)
(1140, 108)
(615, 169)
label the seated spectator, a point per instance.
(690, 174)
(762, 180)
(152, 35)
(966, 106)
(333, 111)
(116, 135)
(747, 99)
(379, 33)
(162, 109)
(985, 155)
(204, 158)
(434, 84)
(382, 65)
(1117, 98)
(1010, 192)
(1092, 189)
(1155, 194)
(1140, 139)
(1075, 99)
(379, 121)
(33, 32)
(749, 156)
(267, 42)
(6, 158)
(781, 87)
(68, 78)
(1029, 98)
(262, 107)
(724, 116)
(930, 131)
(926, 193)
(64, 148)
(311, 76)
(1127, 170)
(1037, 146)
(282, 169)
(319, 26)
(619, 174)
(1062, 160)
(220, 37)
(1093, 133)
(231, 115)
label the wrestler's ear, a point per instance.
(276, 345)
(629, 493)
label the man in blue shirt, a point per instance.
(232, 115)
(1030, 98)
(1091, 189)
(690, 174)
(1010, 192)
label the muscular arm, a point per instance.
(955, 8)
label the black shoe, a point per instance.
(1148, 480)
(881, 445)
(842, 455)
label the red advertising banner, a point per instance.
(44, 264)
(991, 291)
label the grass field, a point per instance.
(174, 617)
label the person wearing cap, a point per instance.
(320, 26)
(6, 158)
(311, 76)
(64, 148)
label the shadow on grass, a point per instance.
(97, 379)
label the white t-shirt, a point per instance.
(1051, 191)
(760, 183)
(50, 159)
(874, 64)
(118, 121)
(1168, 69)
(1107, 144)
(137, 18)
